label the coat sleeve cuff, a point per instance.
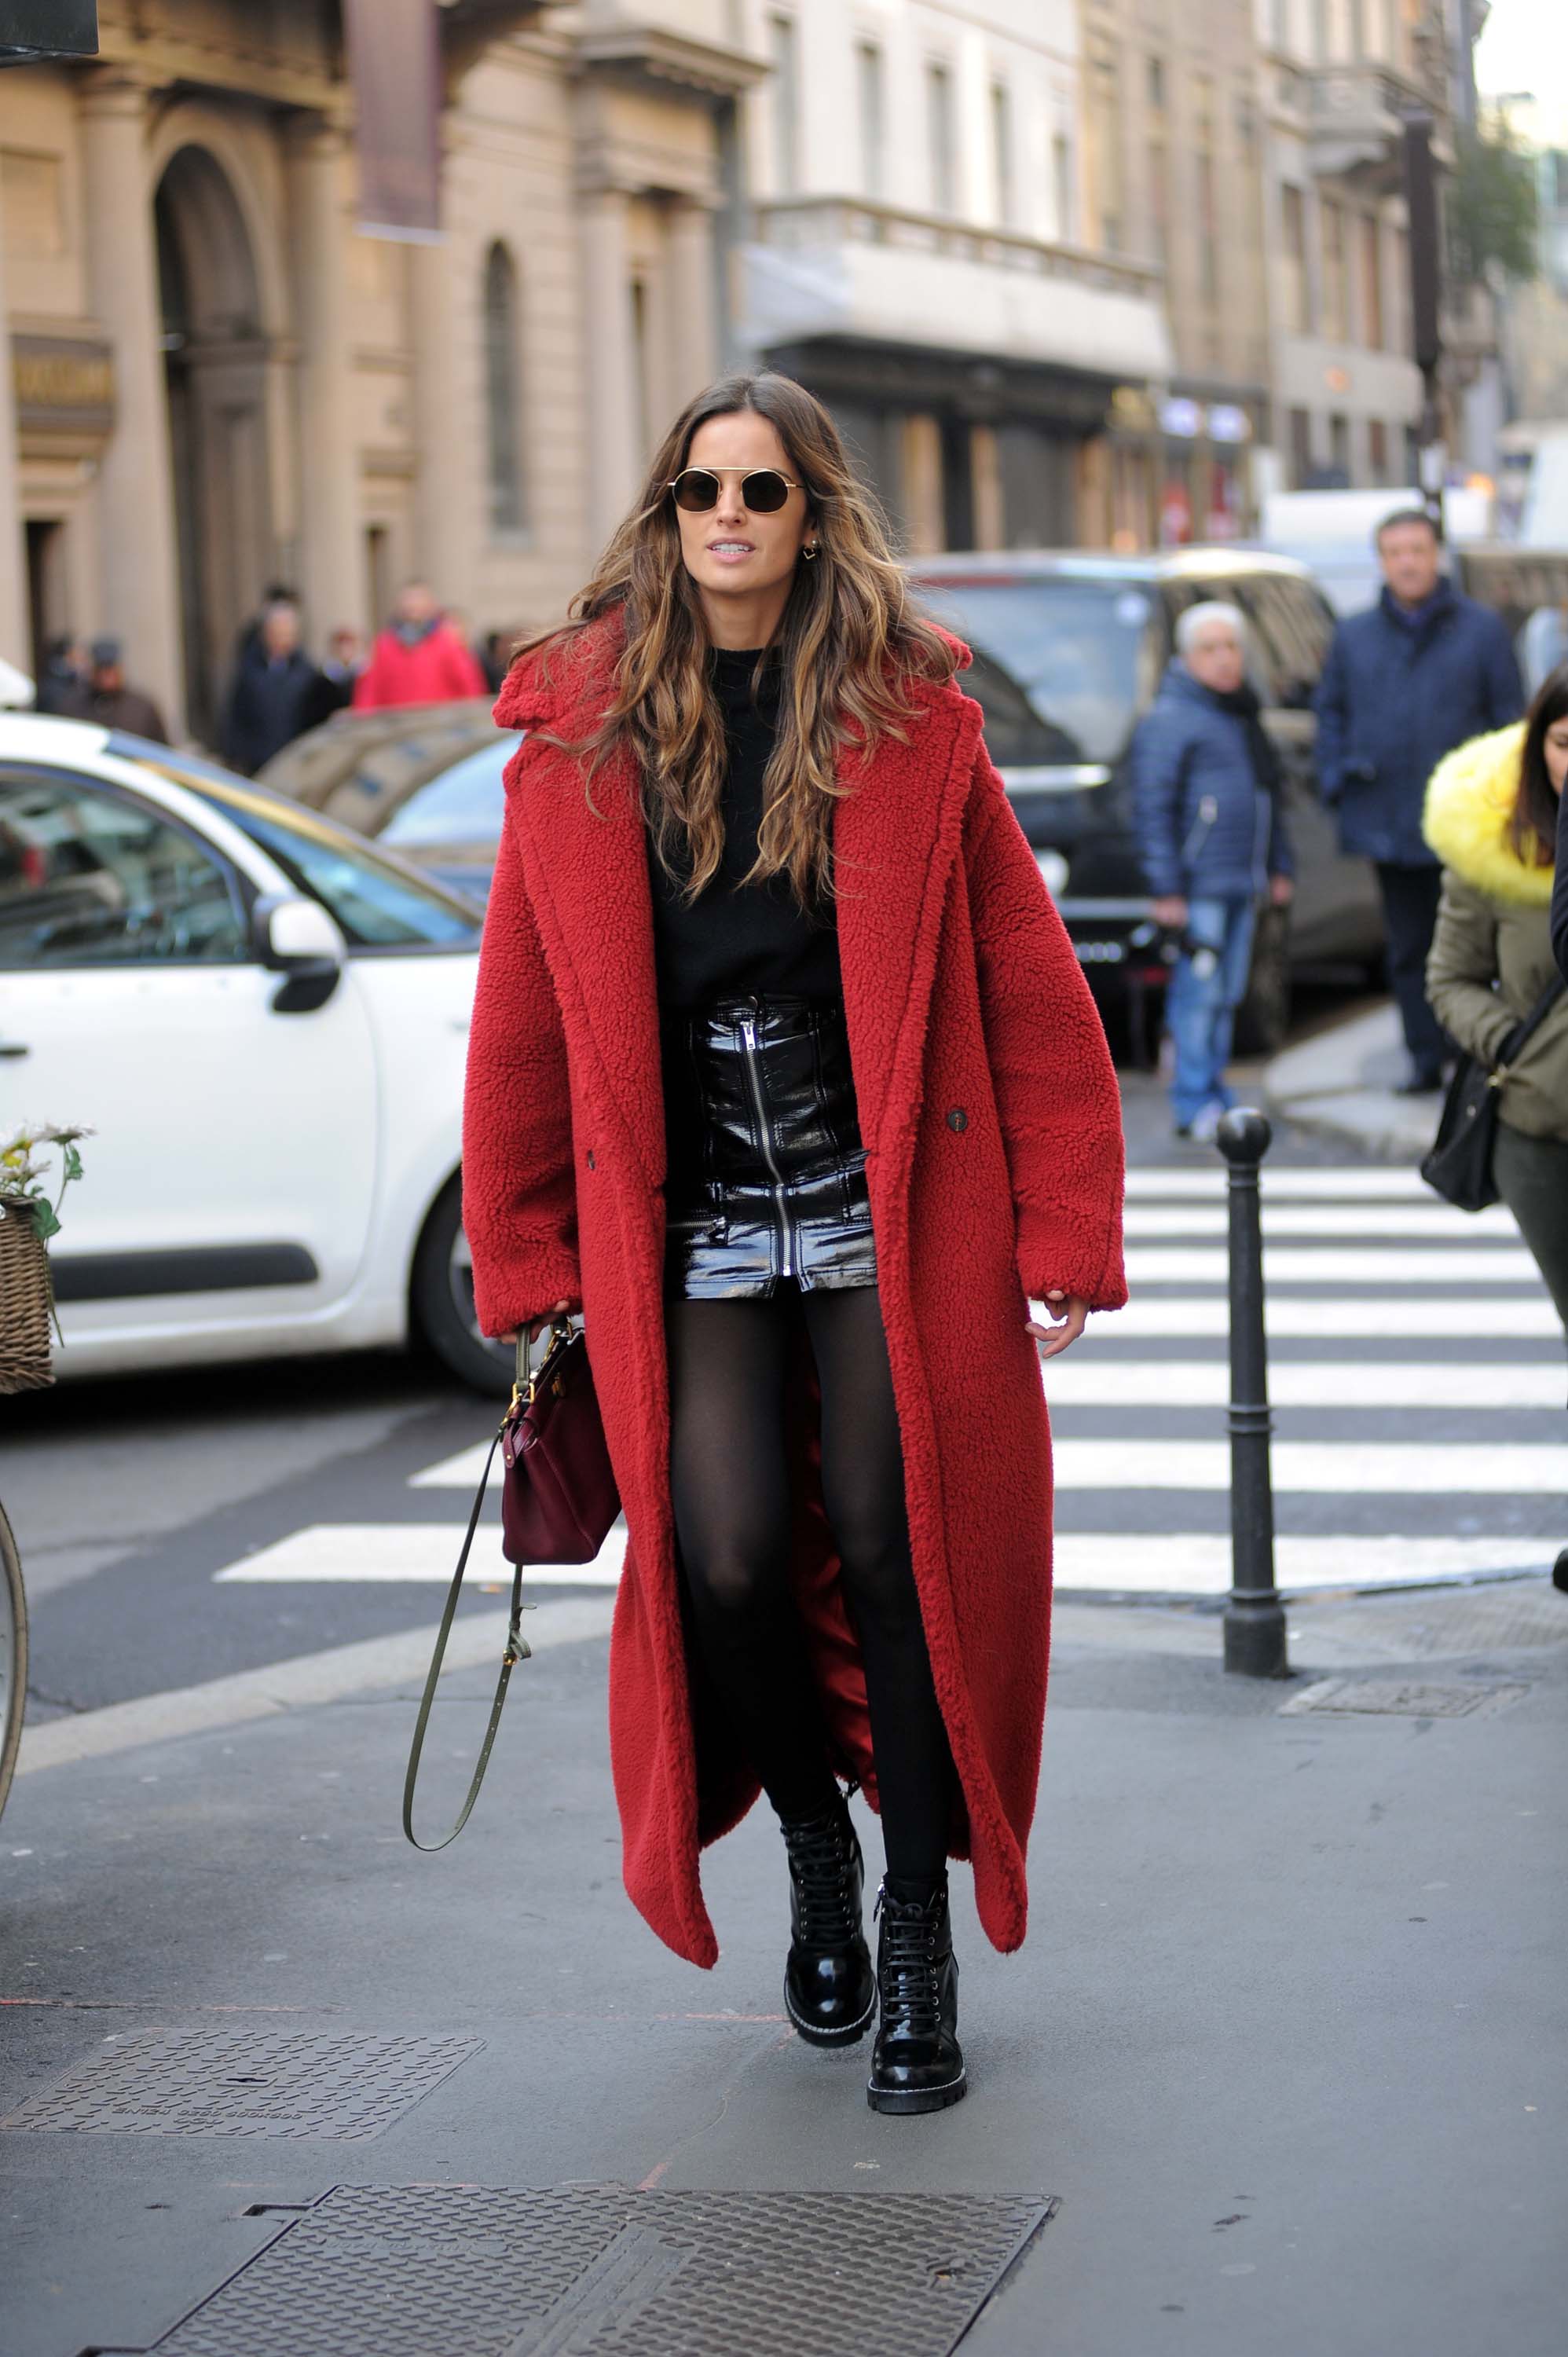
(550, 1276)
(1052, 1266)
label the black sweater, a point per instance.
(734, 941)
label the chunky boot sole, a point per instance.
(905, 2100)
(850, 2035)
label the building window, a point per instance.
(868, 84)
(1294, 304)
(1339, 451)
(1300, 450)
(1159, 200)
(1378, 452)
(1106, 103)
(1207, 230)
(503, 390)
(1156, 73)
(1372, 283)
(784, 85)
(1279, 18)
(1331, 215)
(940, 139)
(1061, 182)
(1322, 43)
(1358, 28)
(1002, 152)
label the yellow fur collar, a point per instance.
(1469, 802)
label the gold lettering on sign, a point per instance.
(57, 381)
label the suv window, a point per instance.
(1073, 646)
(89, 878)
(1294, 630)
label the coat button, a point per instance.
(958, 1118)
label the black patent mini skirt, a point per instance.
(766, 1171)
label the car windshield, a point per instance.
(379, 903)
(464, 804)
(1070, 646)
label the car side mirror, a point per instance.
(297, 938)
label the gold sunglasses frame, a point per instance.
(744, 472)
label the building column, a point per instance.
(922, 474)
(15, 644)
(693, 301)
(447, 334)
(331, 576)
(138, 572)
(615, 457)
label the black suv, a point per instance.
(1068, 651)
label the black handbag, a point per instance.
(1459, 1166)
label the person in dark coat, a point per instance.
(275, 686)
(114, 704)
(336, 679)
(65, 684)
(1213, 842)
(1423, 670)
(1560, 893)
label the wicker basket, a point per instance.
(25, 1300)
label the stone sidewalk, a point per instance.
(1340, 1085)
(1282, 2060)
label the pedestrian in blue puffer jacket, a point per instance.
(1425, 669)
(1213, 842)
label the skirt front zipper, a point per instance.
(765, 1140)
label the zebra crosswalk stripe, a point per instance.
(1380, 1301)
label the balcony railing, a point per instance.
(797, 222)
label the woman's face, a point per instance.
(731, 550)
(1554, 749)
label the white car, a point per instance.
(263, 1020)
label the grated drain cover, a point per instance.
(596, 2271)
(1402, 1699)
(234, 2083)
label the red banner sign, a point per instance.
(394, 62)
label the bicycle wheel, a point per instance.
(13, 1654)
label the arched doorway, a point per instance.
(216, 360)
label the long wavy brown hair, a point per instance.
(850, 645)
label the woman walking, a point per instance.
(1491, 816)
(783, 1072)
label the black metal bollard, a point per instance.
(1254, 1617)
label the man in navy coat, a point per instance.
(1423, 670)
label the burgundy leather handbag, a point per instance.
(558, 1501)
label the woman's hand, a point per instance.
(535, 1326)
(1069, 1310)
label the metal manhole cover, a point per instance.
(1402, 1698)
(596, 2271)
(235, 2083)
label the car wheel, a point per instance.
(1263, 1019)
(441, 1298)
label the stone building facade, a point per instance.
(1174, 167)
(218, 382)
(920, 254)
(1336, 78)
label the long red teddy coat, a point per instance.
(992, 1124)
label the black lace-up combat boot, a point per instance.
(917, 2064)
(830, 1991)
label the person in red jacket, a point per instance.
(418, 658)
(784, 1072)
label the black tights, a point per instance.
(730, 1489)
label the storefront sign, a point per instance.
(394, 60)
(62, 384)
(1229, 424)
(1181, 417)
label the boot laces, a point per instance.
(911, 1985)
(821, 1859)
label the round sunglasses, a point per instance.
(763, 489)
